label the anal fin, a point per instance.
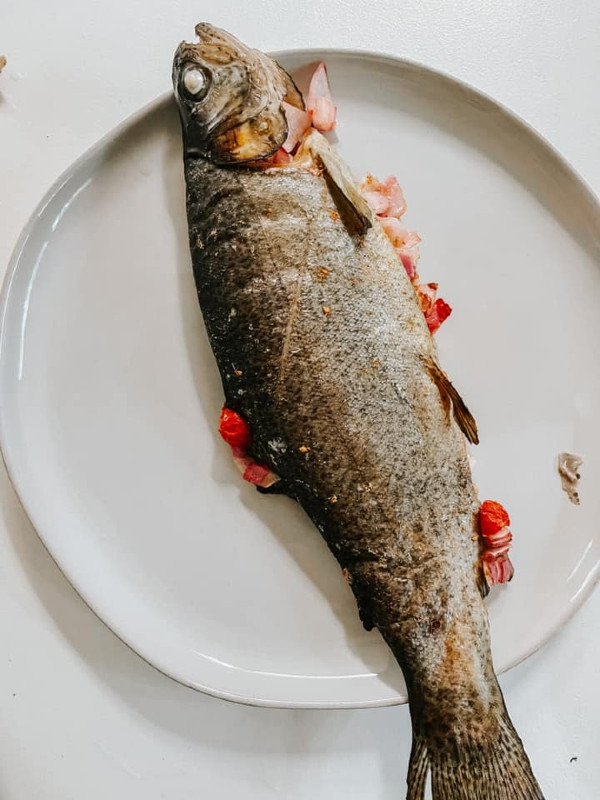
(452, 399)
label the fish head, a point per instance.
(230, 98)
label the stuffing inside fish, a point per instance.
(327, 359)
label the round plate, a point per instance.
(109, 395)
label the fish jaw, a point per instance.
(230, 98)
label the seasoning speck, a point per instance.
(326, 310)
(321, 274)
(304, 448)
(333, 498)
(238, 373)
(334, 215)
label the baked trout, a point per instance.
(324, 351)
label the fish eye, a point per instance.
(194, 83)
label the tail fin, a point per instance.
(473, 771)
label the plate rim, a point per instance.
(10, 462)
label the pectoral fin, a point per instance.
(452, 399)
(354, 209)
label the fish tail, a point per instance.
(466, 770)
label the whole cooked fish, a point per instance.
(323, 350)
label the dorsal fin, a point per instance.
(450, 397)
(353, 207)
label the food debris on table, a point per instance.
(568, 469)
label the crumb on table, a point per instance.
(568, 469)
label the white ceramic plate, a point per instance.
(109, 395)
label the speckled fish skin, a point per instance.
(324, 350)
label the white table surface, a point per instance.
(81, 716)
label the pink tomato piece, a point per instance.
(395, 231)
(298, 122)
(281, 157)
(497, 569)
(259, 475)
(498, 541)
(241, 459)
(412, 239)
(378, 202)
(396, 202)
(426, 292)
(409, 262)
(319, 103)
(436, 314)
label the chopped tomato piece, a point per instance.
(439, 312)
(412, 239)
(395, 196)
(493, 517)
(298, 122)
(498, 543)
(259, 475)
(319, 103)
(395, 231)
(234, 429)
(426, 293)
(386, 199)
(281, 157)
(252, 472)
(497, 570)
(409, 260)
(378, 202)
(497, 538)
